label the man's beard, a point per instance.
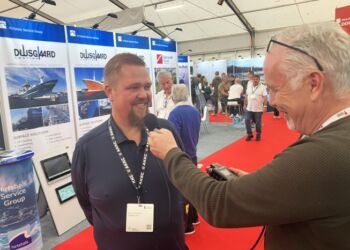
(136, 120)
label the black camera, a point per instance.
(220, 172)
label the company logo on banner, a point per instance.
(159, 59)
(3, 25)
(165, 59)
(342, 16)
(88, 55)
(30, 53)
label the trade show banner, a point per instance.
(240, 67)
(19, 216)
(89, 51)
(35, 89)
(342, 16)
(184, 70)
(208, 68)
(138, 45)
(164, 58)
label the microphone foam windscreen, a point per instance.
(151, 122)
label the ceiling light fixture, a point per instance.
(169, 5)
(33, 14)
(96, 25)
(167, 36)
(136, 31)
(189, 50)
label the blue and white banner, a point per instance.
(164, 58)
(139, 46)
(35, 88)
(89, 51)
(184, 71)
(19, 217)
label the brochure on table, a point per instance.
(89, 51)
(35, 87)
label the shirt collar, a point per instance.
(120, 137)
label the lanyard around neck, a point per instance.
(125, 164)
(339, 115)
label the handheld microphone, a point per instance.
(151, 122)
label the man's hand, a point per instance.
(161, 141)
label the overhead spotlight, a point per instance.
(166, 38)
(167, 5)
(220, 2)
(136, 31)
(182, 53)
(96, 25)
(33, 14)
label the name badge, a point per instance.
(252, 96)
(139, 217)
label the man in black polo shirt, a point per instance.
(121, 186)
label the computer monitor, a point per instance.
(65, 192)
(56, 167)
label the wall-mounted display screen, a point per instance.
(65, 192)
(56, 167)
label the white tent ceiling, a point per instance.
(199, 19)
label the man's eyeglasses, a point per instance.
(296, 49)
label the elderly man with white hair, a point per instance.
(302, 195)
(164, 102)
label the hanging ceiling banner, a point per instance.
(89, 51)
(35, 88)
(342, 16)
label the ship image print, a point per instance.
(88, 87)
(38, 90)
(33, 87)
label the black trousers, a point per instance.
(191, 215)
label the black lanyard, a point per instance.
(125, 164)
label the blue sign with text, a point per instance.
(182, 59)
(130, 41)
(31, 30)
(89, 36)
(163, 45)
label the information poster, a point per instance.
(184, 70)
(35, 86)
(164, 58)
(89, 51)
(139, 46)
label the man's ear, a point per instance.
(108, 92)
(316, 81)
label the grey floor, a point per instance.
(218, 136)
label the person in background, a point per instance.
(234, 95)
(302, 195)
(195, 80)
(224, 87)
(255, 103)
(187, 121)
(164, 103)
(120, 185)
(215, 84)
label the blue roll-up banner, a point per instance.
(19, 217)
(184, 71)
(35, 87)
(164, 58)
(89, 51)
(140, 46)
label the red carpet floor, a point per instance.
(247, 156)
